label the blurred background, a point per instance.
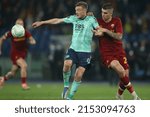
(45, 59)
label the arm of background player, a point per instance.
(32, 41)
(50, 21)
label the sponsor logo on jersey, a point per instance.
(19, 39)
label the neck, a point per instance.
(83, 17)
(108, 20)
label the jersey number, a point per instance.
(125, 60)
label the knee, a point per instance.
(12, 72)
(118, 68)
(23, 66)
(67, 66)
(122, 73)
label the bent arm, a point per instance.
(114, 35)
(117, 36)
(50, 21)
(32, 41)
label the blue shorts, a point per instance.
(82, 59)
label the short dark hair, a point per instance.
(107, 5)
(83, 4)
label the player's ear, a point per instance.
(90, 14)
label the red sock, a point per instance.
(5, 78)
(126, 82)
(121, 88)
(23, 80)
(130, 88)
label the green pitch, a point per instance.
(52, 91)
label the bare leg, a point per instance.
(23, 71)
(10, 74)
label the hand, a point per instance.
(98, 33)
(36, 24)
(104, 30)
(90, 14)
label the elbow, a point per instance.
(33, 42)
(120, 37)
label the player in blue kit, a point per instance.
(79, 52)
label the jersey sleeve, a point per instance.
(94, 22)
(119, 28)
(27, 34)
(8, 35)
(69, 19)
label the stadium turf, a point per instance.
(52, 91)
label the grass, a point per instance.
(52, 91)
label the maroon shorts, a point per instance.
(15, 55)
(107, 59)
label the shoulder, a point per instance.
(8, 34)
(91, 18)
(71, 16)
(116, 19)
(27, 33)
(99, 20)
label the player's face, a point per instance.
(80, 12)
(19, 21)
(106, 15)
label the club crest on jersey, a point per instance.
(112, 25)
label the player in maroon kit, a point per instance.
(110, 46)
(19, 48)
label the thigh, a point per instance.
(71, 55)
(107, 59)
(123, 61)
(21, 62)
(127, 72)
(14, 67)
(15, 55)
(84, 59)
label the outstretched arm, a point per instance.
(50, 21)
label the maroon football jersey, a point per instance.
(108, 44)
(19, 43)
(19, 46)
